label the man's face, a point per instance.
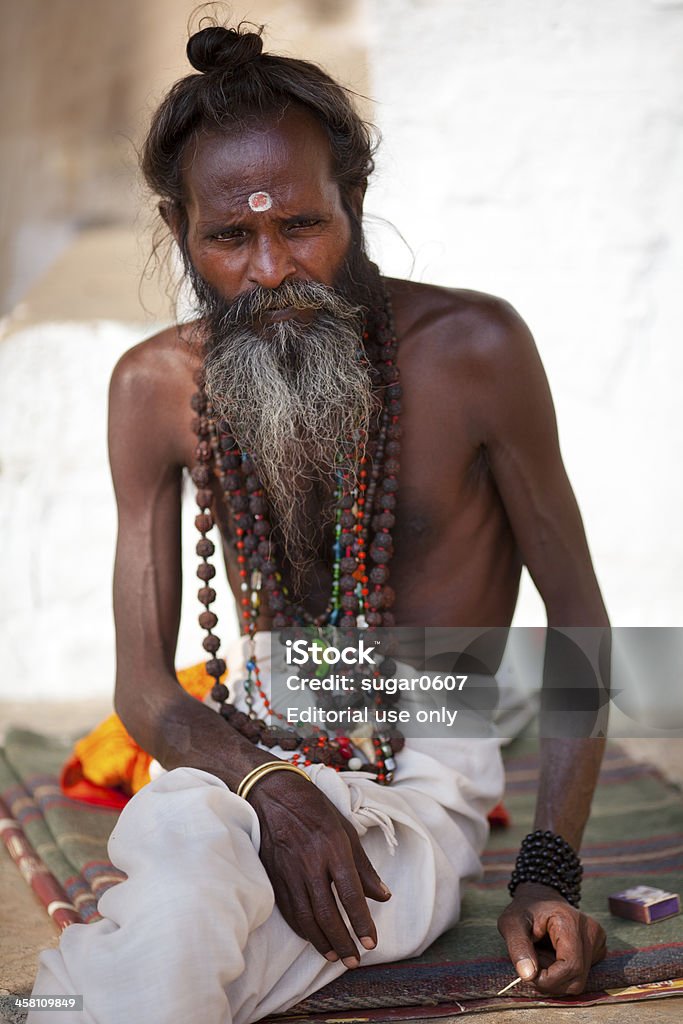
(301, 232)
(281, 279)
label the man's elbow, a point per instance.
(138, 710)
(151, 715)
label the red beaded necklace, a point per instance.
(360, 596)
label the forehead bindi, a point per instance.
(284, 168)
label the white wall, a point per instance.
(535, 150)
(58, 516)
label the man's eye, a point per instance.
(229, 235)
(305, 224)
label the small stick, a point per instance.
(511, 985)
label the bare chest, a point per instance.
(450, 528)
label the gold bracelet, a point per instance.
(258, 773)
(261, 770)
(253, 774)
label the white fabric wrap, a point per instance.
(194, 933)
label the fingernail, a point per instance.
(332, 956)
(351, 962)
(368, 942)
(525, 968)
(385, 889)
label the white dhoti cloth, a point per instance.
(193, 934)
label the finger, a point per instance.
(578, 941)
(351, 896)
(302, 921)
(569, 971)
(372, 885)
(331, 924)
(599, 944)
(516, 933)
(545, 957)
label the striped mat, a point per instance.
(634, 836)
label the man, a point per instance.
(248, 887)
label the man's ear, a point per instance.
(173, 216)
(355, 198)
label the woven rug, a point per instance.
(635, 836)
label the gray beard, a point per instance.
(299, 399)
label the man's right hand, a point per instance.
(306, 846)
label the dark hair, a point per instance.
(237, 82)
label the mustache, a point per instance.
(249, 308)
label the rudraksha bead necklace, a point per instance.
(360, 596)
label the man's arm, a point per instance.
(520, 433)
(305, 842)
(147, 474)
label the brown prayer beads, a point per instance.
(362, 553)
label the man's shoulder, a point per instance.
(152, 387)
(458, 319)
(150, 393)
(164, 361)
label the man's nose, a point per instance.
(270, 262)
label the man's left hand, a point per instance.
(568, 941)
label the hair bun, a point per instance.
(222, 49)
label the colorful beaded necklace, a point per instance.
(360, 596)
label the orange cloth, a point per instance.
(107, 766)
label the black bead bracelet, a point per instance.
(548, 859)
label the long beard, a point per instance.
(298, 397)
